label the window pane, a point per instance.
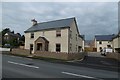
(100, 42)
(58, 47)
(32, 35)
(58, 33)
(31, 46)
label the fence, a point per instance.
(113, 56)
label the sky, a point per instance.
(93, 18)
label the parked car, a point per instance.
(106, 50)
(8, 46)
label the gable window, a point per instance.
(76, 37)
(43, 33)
(58, 33)
(32, 35)
(100, 42)
(70, 47)
(109, 46)
(58, 47)
(31, 46)
(70, 34)
(76, 47)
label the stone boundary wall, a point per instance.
(20, 51)
(113, 56)
(56, 55)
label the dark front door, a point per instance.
(79, 48)
(39, 46)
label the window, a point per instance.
(32, 35)
(43, 33)
(58, 33)
(100, 42)
(70, 34)
(31, 46)
(70, 47)
(76, 37)
(58, 47)
(109, 46)
(100, 48)
(76, 47)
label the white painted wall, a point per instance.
(75, 43)
(104, 44)
(50, 35)
(115, 43)
(119, 41)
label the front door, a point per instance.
(39, 46)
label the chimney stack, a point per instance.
(34, 22)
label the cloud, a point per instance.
(92, 17)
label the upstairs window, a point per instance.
(70, 34)
(58, 33)
(100, 42)
(32, 35)
(58, 47)
(76, 37)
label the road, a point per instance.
(19, 67)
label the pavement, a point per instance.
(20, 67)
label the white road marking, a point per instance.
(75, 60)
(78, 75)
(22, 64)
(16, 56)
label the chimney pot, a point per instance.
(34, 22)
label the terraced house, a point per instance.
(103, 41)
(116, 43)
(54, 36)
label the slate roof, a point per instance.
(12, 34)
(82, 36)
(104, 37)
(116, 36)
(62, 23)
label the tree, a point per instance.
(23, 38)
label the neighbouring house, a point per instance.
(54, 36)
(0, 39)
(11, 38)
(103, 41)
(116, 43)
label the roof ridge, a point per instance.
(60, 23)
(57, 20)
